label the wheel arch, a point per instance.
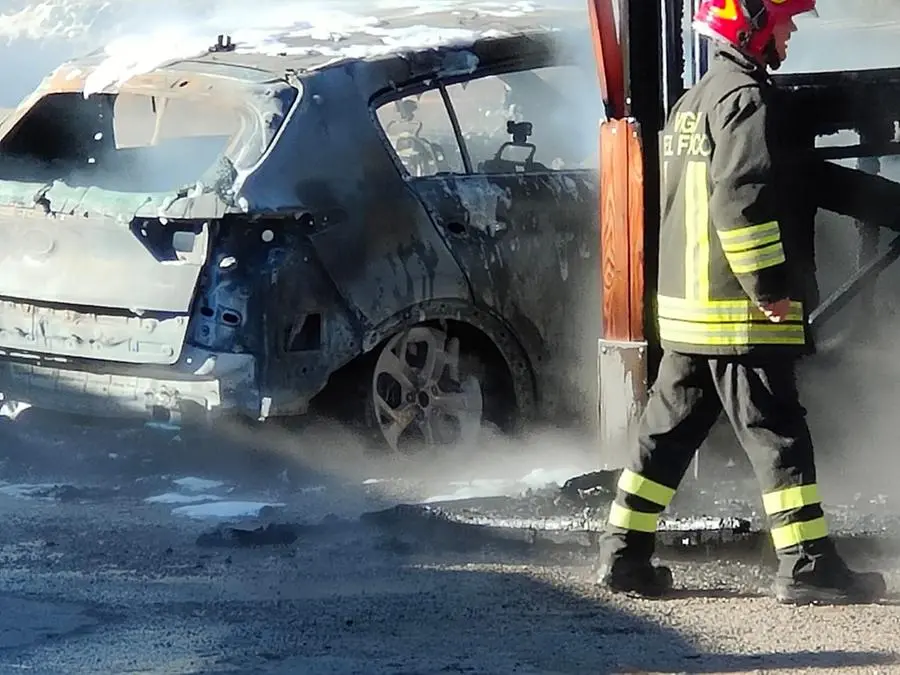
(480, 327)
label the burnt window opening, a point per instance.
(129, 142)
(305, 336)
(420, 131)
(471, 124)
(560, 104)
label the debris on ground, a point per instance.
(592, 489)
(273, 534)
(542, 519)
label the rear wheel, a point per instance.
(426, 388)
(424, 393)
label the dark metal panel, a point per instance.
(529, 244)
(331, 170)
(310, 331)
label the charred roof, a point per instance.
(385, 38)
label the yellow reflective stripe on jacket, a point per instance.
(745, 238)
(797, 533)
(731, 334)
(718, 311)
(696, 220)
(619, 516)
(791, 498)
(637, 485)
(754, 260)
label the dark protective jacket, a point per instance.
(739, 197)
(725, 245)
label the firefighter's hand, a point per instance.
(777, 311)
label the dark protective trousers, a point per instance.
(761, 401)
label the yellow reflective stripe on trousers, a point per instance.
(797, 533)
(731, 334)
(791, 498)
(745, 238)
(637, 485)
(696, 221)
(754, 260)
(619, 516)
(718, 311)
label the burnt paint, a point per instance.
(333, 171)
(529, 244)
(263, 280)
(227, 313)
(299, 289)
(352, 242)
(370, 232)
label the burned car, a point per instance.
(408, 241)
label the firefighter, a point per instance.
(731, 316)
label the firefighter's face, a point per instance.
(782, 35)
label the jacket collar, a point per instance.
(732, 57)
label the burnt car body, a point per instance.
(249, 234)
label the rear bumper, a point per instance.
(201, 383)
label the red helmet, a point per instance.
(747, 24)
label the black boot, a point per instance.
(855, 588)
(642, 579)
(826, 580)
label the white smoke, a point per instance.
(137, 35)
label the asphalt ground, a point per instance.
(145, 551)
